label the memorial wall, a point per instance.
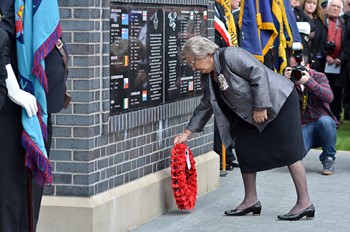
(145, 44)
(131, 92)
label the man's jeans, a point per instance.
(321, 133)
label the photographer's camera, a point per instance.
(297, 71)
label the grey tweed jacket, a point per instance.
(252, 86)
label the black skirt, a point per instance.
(279, 144)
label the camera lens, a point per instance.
(296, 75)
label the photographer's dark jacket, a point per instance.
(252, 86)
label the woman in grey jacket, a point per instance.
(257, 107)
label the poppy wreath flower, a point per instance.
(183, 177)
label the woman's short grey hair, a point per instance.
(198, 47)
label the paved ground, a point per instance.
(330, 195)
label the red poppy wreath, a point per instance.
(183, 177)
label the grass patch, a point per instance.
(343, 136)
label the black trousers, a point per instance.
(13, 195)
(12, 173)
(37, 190)
(336, 105)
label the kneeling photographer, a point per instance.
(319, 125)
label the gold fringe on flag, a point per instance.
(231, 24)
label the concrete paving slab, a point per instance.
(330, 195)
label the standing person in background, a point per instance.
(221, 33)
(346, 99)
(336, 54)
(319, 126)
(324, 4)
(346, 7)
(259, 108)
(222, 42)
(298, 12)
(318, 35)
(235, 8)
(304, 27)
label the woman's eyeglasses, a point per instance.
(193, 63)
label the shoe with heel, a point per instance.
(255, 209)
(309, 212)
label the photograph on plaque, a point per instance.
(145, 43)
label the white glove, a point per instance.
(19, 96)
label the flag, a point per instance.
(37, 32)
(231, 26)
(280, 41)
(249, 28)
(266, 26)
(286, 25)
(126, 83)
(144, 95)
(221, 29)
(126, 103)
(293, 35)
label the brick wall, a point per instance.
(92, 151)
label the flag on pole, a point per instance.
(221, 29)
(280, 41)
(292, 23)
(248, 24)
(268, 32)
(231, 25)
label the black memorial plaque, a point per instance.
(181, 81)
(145, 67)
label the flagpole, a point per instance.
(223, 160)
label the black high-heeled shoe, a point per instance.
(309, 212)
(256, 209)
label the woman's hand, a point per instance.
(183, 138)
(260, 116)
